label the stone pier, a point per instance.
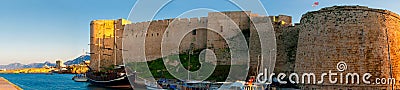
(7, 85)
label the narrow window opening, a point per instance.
(194, 32)
(222, 29)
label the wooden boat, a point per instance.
(114, 78)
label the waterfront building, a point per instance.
(59, 64)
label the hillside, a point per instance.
(20, 66)
(78, 60)
(39, 65)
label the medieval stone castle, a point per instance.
(366, 39)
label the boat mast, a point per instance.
(190, 53)
(115, 46)
(189, 66)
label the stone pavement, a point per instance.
(6, 85)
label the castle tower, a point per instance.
(106, 43)
(366, 39)
(59, 64)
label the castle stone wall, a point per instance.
(156, 30)
(357, 35)
(286, 40)
(201, 33)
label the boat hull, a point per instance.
(123, 81)
(80, 79)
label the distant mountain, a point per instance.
(78, 60)
(12, 66)
(20, 66)
(39, 65)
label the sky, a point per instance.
(48, 30)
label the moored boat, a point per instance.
(112, 78)
(153, 86)
(80, 78)
(195, 85)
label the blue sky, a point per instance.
(47, 30)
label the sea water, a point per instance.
(49, 82)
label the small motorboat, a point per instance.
(80, 78)
(153, 86)
(195, 85)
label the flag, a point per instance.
(315, 4)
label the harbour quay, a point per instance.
(7, 85)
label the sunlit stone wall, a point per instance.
(362, 37)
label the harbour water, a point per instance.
(49, 82)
